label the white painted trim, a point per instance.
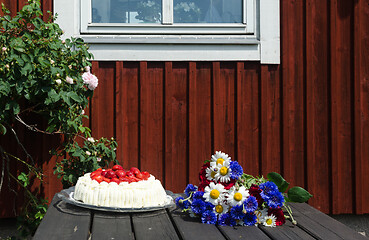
(263, 45)
(149, 28)
(249, 15)
(167, 13)
(173, 39)
(68, 17)
(269, 32)
(170, 52)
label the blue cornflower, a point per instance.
(275, 199)
(209, 206)
(251, 204)
(267, 188)
(237, 170)
(182, 203)
(190, 188)
(198, 206)
(209, 217)
(198, 196)
(227, 220)
(237, 212)
(250, 219)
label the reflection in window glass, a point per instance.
(126, 11)
(207, 11)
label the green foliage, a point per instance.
(294, 194)
(248, 180)
(82, 159)
(31, 217)
(41, 76)
(35, 66)
(298, 194)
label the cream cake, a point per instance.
(131, 189)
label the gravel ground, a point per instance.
(360, 223)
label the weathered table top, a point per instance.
(65, 221)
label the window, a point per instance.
(167, 16)
(174, 29)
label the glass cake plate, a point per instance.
(67, 196)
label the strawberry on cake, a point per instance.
(117, 187)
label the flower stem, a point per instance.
(289, 211)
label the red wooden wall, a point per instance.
(307, 118)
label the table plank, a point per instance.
(191, 228)
(321, 225)
(244, 232)
(153, 225)
(64, 221)
(111, 226)
(286, 231)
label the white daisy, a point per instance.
(214, 193)
(210, 172)
(237, 197)
(221, 208)
(224, 172)
(269, 221)
(260, 215)
(219, 157)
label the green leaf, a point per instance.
(53, 95)
(298, 194)
(24, 179)
(26, 58)
(15, 107)
(39, 215)
(2, 129)
(278, 180)
(66, 99)
(74, 96)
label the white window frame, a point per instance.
(167, 26)
(256, 39)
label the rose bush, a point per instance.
(43, 76)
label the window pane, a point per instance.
(207, 11)
(126, 11)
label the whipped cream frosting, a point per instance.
(145, 193)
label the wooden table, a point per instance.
(65, 221)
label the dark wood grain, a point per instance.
(103, 103)
(318, 114)
(191, 228)
(293, 98)
(154, 225)
(286, 231)
(270, 119)
(176, 156)
(152, 118)
(361, 140)
(127, 112)
(200, 122)
(243, 232)
(248, 117)
(224, 76)
(341, 99)
(328, 225)
(64, 221)
(111, 226)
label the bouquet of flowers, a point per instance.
(228, 196)
(186, 12)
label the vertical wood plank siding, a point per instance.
(307, 118)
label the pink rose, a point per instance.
(90, 80)
(69, 80)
